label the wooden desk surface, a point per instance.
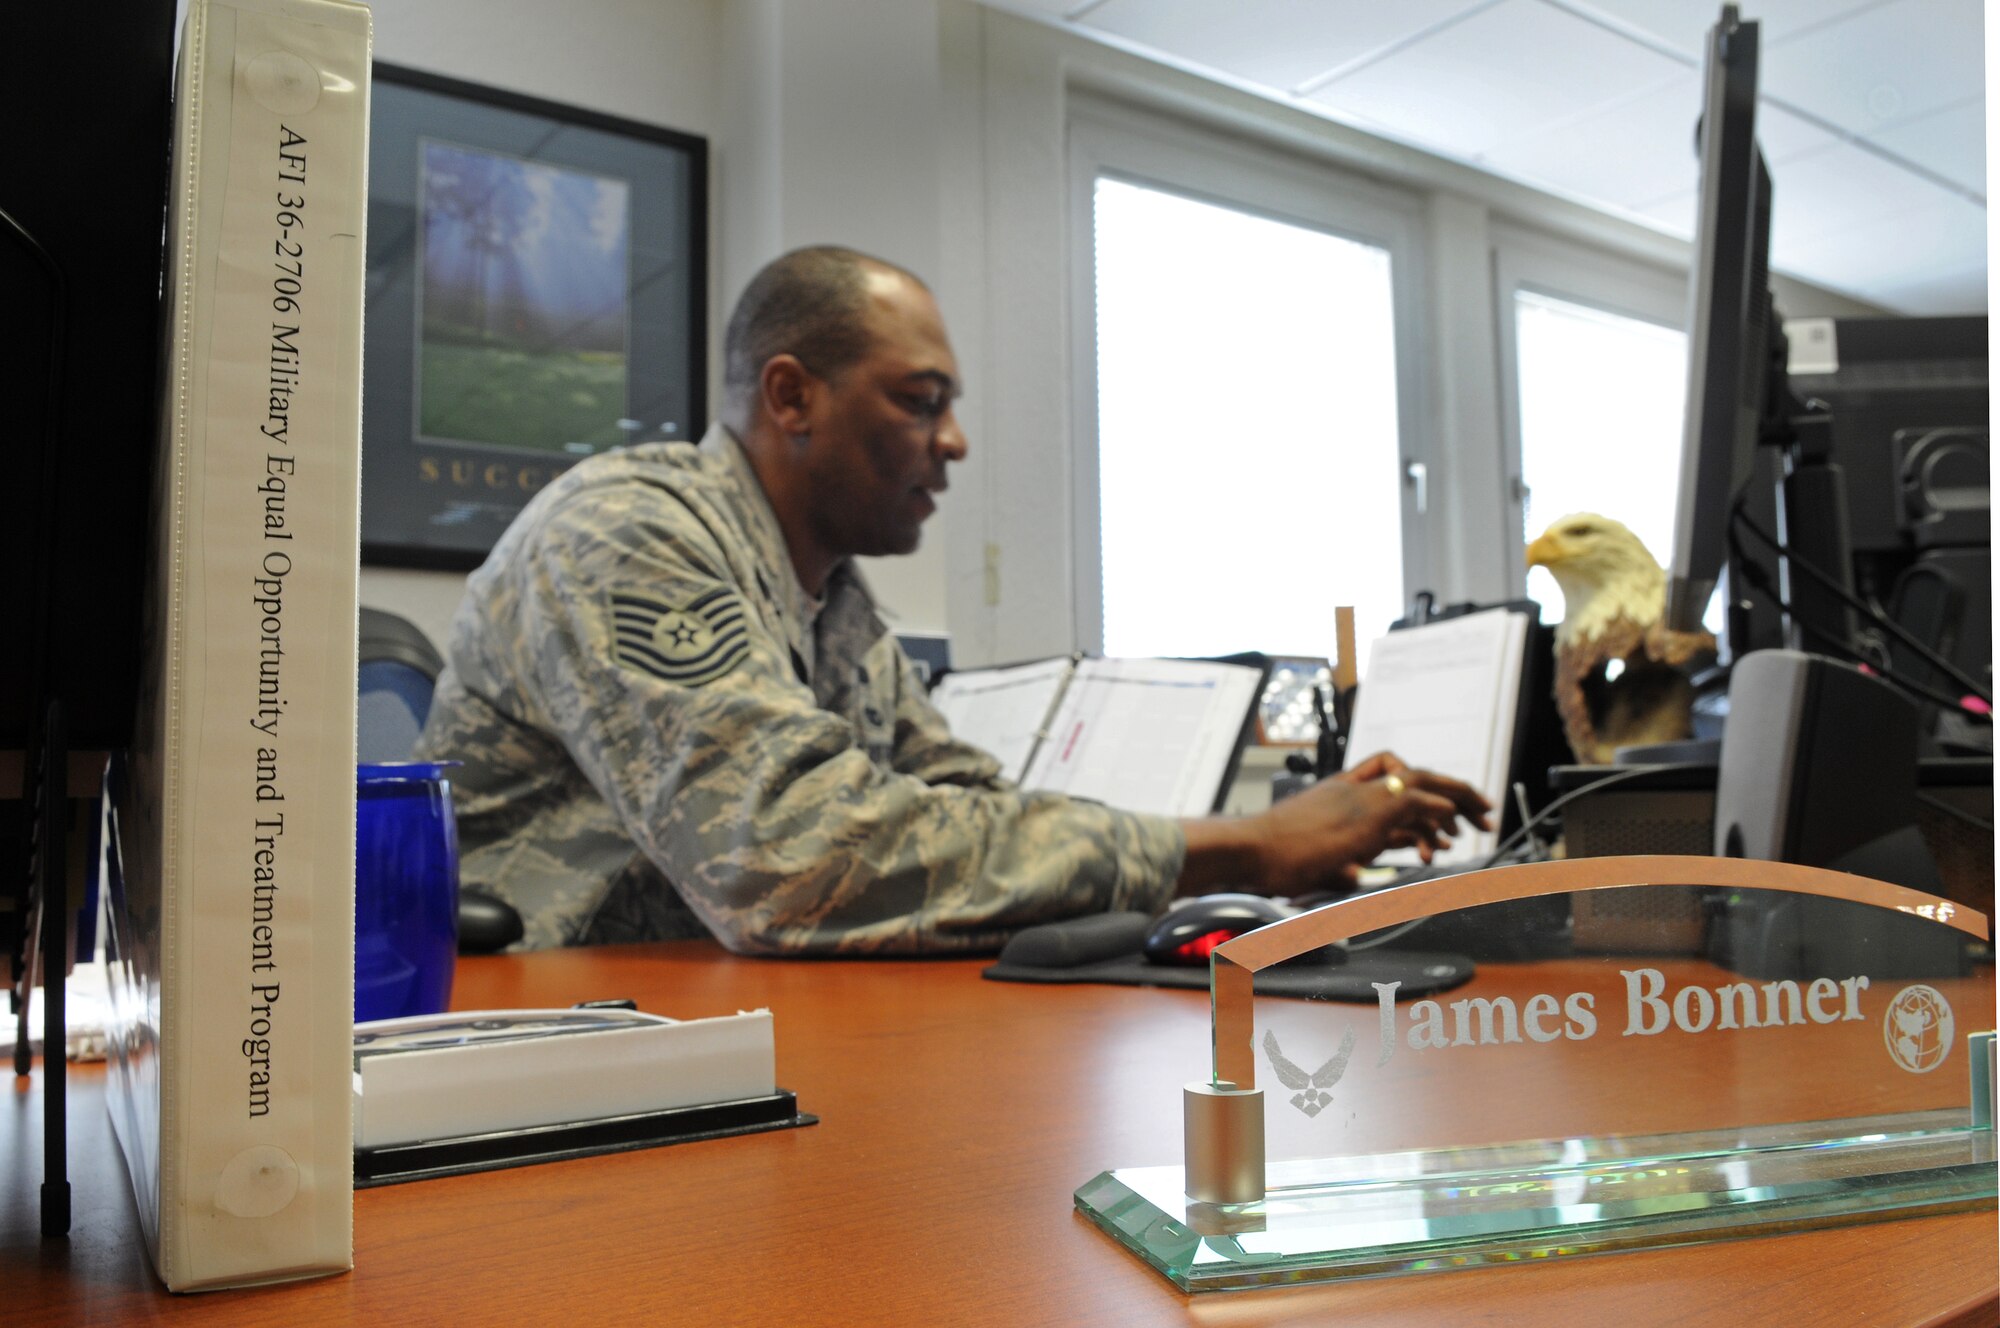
(958, 1116)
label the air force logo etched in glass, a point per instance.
(1312, 1097)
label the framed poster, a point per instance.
(536, 295)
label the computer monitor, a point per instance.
(1729, 315)
(82, 203)
(1745, 425)
(1909, 408)
(1807, 739)
(84, 200)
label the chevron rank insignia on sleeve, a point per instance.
(687, 645)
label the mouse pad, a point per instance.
(1105, 947)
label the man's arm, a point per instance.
(925, 745)
(1315, 839)
(763, 809)
(1319, 836)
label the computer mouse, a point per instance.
(1188, 932)
(486, 923)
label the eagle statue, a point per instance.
(1621, 676)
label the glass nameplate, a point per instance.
(1649, 1051)
(1463, 1207)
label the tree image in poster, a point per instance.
(523, 302)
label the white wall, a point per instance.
(829, 133)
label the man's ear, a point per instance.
(789, 391)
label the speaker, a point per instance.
(1819, 767)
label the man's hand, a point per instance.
(1390, 769)
(1322, 835)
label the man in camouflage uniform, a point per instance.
(680, 715)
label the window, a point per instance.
(1244, 394)
(1594, 387)
(1602, 397)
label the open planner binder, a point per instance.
(1446, 696)
(1148, 735)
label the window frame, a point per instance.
(1528, 260)
(1109, 139)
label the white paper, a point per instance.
(1147, 735)
(1444, 697)
(1002, 710)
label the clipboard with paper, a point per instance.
(1446, 696)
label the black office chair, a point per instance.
(399, 669)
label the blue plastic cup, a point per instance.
(405, 890)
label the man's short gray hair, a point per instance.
(808, 303)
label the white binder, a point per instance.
(231, 858)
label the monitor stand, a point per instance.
(1812, 530)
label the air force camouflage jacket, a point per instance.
(662, 734)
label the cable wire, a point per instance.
(1859, 605)
(1508, 845)
(1631, 772)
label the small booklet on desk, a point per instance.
(438, 1095)
(1148, 735)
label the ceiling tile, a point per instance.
(1783, 135)
(1684, 24)
(1279, 43)
(1826, 192)
(1933, 253)
(1960, 292)
(1500, 75)
(1635, 151)
(1626, 153)
(1673, 214)
(1951, 142)
(1845, 219)
(1579, 97)
(1882, 66)
(1652, 139)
